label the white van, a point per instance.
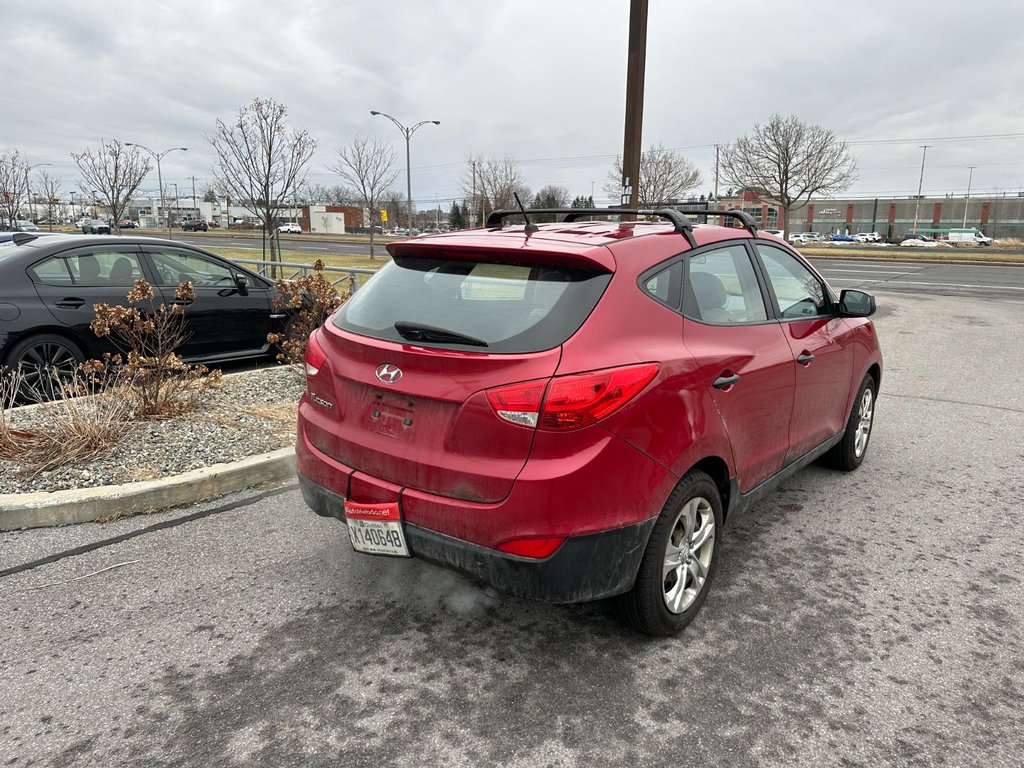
(960, 236)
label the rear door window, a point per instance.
(721, 288)
(478, 305)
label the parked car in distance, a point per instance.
(52, 283)
(95, 227)
(128, 224)
(837, 237)
(24, 225)
(804, 237)
(776, 232)
(868, 237)
(574, 412)
(194, 226)
(289, 228)
(918, 241)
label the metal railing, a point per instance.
(290, 270)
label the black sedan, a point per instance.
(48, 286)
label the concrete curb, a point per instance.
(36, 510)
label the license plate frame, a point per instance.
(376, 529)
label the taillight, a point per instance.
(315, 355)
(537, 548)
(518, 403)
(570, 402)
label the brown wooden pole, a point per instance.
(634, 102)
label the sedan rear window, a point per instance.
(478, 305)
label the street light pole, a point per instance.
(967, 199)
(407, 132)
(920, 182)
(159, 176)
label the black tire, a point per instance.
(646, 607)
(849, 452)
(38, 358)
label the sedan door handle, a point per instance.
(182, 302)
(71, 302)
(805, 359)
(725, 381)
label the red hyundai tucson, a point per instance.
(572, 411)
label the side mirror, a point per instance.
(242, 284)
(856, 304)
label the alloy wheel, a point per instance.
(688, 554)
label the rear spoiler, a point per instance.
(597, 258)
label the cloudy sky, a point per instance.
(542, 81)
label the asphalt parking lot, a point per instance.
(866, 619)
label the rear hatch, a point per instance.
(411, 355)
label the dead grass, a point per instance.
(75, 431)
(306, 257)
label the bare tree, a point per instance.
(492, 183)
(369, 167)
(261, 163)
(393, 202)
(788, 161)
(51, 195)
(14, 184)
(549, 196)
(665, 177)
(111, 174)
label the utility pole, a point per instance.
(716, 173)
(635, 64)
(920, 182)
(472, 215)
(967, 199)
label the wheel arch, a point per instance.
(717, 469)
(875, 372)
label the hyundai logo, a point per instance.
(389, 374)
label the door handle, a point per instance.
(805, 359)
(725, 381)
(181, 302)
(71, 302)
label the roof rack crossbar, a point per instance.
(680, 223)
(745, 218)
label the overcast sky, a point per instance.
(543, 82)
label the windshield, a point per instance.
(473, 305)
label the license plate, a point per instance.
(376, 529)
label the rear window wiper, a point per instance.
(419, 332)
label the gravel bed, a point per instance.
(251, 413)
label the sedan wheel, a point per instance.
(45, 363)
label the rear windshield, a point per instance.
(473, 305)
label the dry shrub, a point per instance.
(74, 429)
(148, 337)
(308, 300)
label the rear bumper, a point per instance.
(587, 567)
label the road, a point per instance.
(975, 280)
(858, 619)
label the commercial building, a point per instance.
(996, 216)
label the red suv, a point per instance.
(572, 411)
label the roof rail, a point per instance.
(680, 223)
(748, 221)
